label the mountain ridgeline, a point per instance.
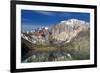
(66, 31)
(69, 38)
(63, 32)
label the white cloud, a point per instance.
(46, 13)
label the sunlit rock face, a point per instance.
(68, 29)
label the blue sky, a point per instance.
(33, 19)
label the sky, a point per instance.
(31, 19)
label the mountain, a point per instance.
(63, 32)
(67, 40)
(68, 29)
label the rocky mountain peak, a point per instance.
(68, 29)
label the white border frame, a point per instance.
(20, 65)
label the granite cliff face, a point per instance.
(67, 30)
